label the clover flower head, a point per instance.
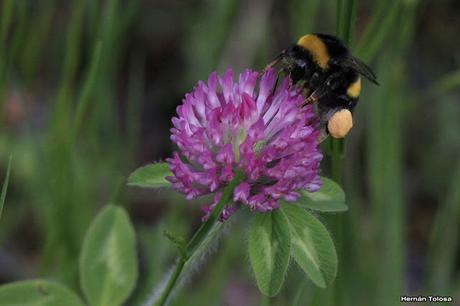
(256, 127)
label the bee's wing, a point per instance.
(360, 67)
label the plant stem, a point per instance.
(336, 159)
(344, 23)
(87, 88)
(171, 281)
(196, 241)
(264, 300)
(345, 20)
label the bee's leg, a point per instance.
(306, 91)
(312, 98)
(331, 83)
(284, 71)
(276, 83)
(309, 92)
(278, 75)
(348, 102)
(323, 135)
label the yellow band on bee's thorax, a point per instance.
(354, 89)
(317, 48)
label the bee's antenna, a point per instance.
(273, 63)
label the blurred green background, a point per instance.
(87, 90)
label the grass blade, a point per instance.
(87, 89)
(5, 186)
(7, 16)
(444, 242)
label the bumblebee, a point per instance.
(330, 75)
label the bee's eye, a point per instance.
(340, 123)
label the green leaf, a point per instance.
(37, 293)
(5, 186)
(269, 250)
(330, 197)
(108, 263)
(151, 176)
(312, 246)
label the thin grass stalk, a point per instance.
(22, 25)
(11, 39)
(135, 93)
(302, 16)
(62, 108)
(362, 255)
(345, 23)
(444, 240)
(443, 85)
(6, 20)
(381, 26)
(5, 186)
(37, 40)
(69, 208)
(385, 165)
(6, 12)
(87, 90)
(207, 38)
(108, 32)
(379, 12)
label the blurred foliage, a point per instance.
(88, 89)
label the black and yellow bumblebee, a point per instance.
(330, 75)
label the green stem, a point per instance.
(336, 159)
(172, 281)
(87, 89)
(264, 300)
(339, 17)
(345, 20)
(196, 241)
